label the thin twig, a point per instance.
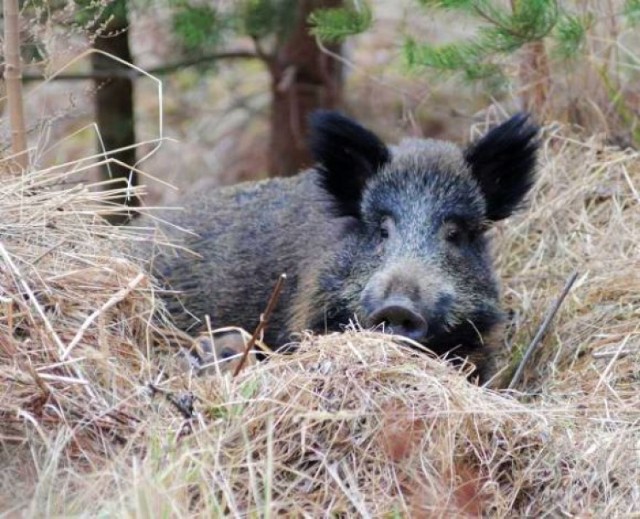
(115, 299)
(264, 319)
(551, 313)
(372, 77)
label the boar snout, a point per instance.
(400, 316)
(407, 298)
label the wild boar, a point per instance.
(385, 236)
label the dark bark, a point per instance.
(114, 102)
(303, 79)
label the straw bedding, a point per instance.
(100, 412)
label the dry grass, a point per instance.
(585, 216)
(99, 417)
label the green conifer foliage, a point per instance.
(501, 31)
(335, 25)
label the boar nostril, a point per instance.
(400, 319)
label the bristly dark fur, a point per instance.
(348, 155)
(503, 162)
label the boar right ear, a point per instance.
(348, 155)
(503, 162)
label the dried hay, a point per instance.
(585, 216)
(98, 416)
(77, 318)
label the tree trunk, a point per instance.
(535, 78)
(114, 102)
(303, 79)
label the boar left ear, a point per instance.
(348, 155)
(503, 162)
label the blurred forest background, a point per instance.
(232, 81)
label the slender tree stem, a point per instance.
(12, 76)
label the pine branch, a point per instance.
(632, 11)
(158, 71)
(570, 35)
(463, 5)
(336, 24)
(504, 32)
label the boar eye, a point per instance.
(227, 353)
(454, 233)
(386, 226)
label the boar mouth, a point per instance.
(401, 318)
(468, 335)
